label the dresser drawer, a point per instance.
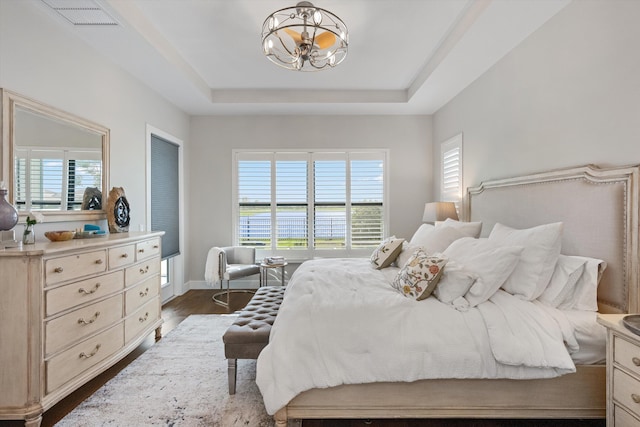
(626, 390)
(75, 266)
(140, 294)
(77, 324)
(141, 271)
(122, 256)
(626, 354)
(83, 356)
(147, 249)
(84, 291)
(142, 319)
(624, 419)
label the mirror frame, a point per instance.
(12, 101)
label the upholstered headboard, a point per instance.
(599, 209)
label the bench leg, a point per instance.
(231, 371)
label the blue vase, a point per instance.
(8, 214)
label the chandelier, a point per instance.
(304, 38)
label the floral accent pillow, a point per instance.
(420, 275)
(387, 252)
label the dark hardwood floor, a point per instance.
(199, 302)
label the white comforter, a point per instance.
(341, 323)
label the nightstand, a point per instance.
(264, 272)
(623, 372)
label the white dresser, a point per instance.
(70, 310)
(623, 373)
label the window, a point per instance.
(451, 167)
(310, 204)
(55, 178)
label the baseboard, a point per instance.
(234, 284)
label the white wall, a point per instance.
(41, 58)
(214, 138)
(568, 95)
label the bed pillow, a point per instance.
(420, 275)
(538, 260)
(585, 292)
(469, 229)
(432, 241)
(454, 283)
(492, 264)
(421, 234)
(386, 252)
(565, 275)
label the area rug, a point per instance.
(180, 381)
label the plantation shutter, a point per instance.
(254, 200)
(367, 199)
(165, 194)
(54, 179)
(84, 171)
(451, 166)
(330, 200)
(291, 197)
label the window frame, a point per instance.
(310, 155)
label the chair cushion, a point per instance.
(236, 270)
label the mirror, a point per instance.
(52, 161)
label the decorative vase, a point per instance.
(118, 211)
(29, 235)
(8, 214)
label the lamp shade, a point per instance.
(439, 211)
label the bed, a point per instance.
(598, 209)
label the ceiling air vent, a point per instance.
(81, 12)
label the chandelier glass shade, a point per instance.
(304, 38)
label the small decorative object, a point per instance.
(92, 199)
(118, 211)
(60, 235)
(8, 213)
(29, 234)
(90, 231)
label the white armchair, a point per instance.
(228, 263)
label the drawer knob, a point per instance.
(144, 318)
(144, 270)
(98, 261)
(81, 321)
(635, 397)
(155, 246)
(140, 250)
(84, 292)
(84, 355)
(144, 293)
(124, 256)
(636, 361)
(58, 270)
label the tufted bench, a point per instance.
(249, 334)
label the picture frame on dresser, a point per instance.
(70, 310)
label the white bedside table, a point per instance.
(623, 372)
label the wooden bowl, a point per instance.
(60, 235)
